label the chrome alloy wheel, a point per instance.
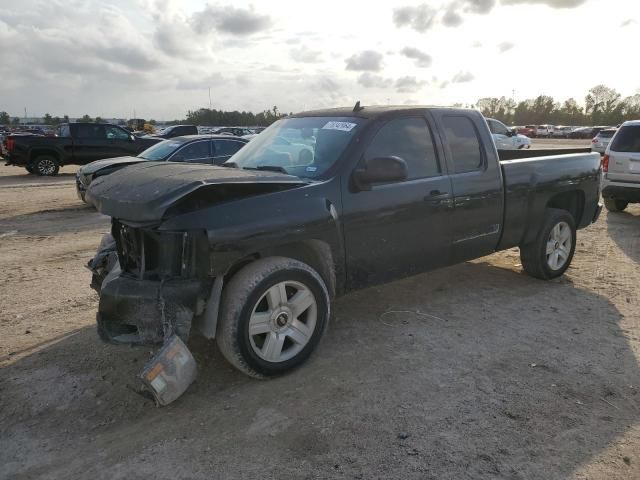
(558, 245)
(46, 166)
(283, 321)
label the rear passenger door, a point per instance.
(224, 149)
(398, 229)
(90, 143)
(476, 178)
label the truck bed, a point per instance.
(531, 185)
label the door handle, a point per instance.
(436, 193)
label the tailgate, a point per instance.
(624, 167)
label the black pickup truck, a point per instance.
(75, 144)
(254, 252)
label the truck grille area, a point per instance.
(145, 253)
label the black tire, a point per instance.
(534, 257)
(244, 293)
(46, 166)
(615, 204)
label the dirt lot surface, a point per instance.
(497, 375)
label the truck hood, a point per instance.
(144, 192)
(93, 167)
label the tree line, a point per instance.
(203, 116)
(602, 106)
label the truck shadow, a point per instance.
(628, 239)
(490, 373)
(58, 220)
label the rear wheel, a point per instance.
(274, 312)
(46, 166)
(550, 254)
(615, 205)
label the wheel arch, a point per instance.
(572, 201)
(40, 152)
(315, 253)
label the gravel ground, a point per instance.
(477, 372)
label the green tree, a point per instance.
(56, 121)
(66, 119)
(48, 119)
(99, 120)
(602, 105)
(85, 118)
(5, 119)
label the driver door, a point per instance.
(399, 229)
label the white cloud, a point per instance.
(422, 59)
(366, 60)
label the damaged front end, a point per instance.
(151, 287)
(150, 283)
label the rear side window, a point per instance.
(606, 133)
(227, 147)
(463, 142)
(627, 139)
(90, 131)
(409, 139)
(191, 152)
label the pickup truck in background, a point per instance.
(74, 143)
(253, 253)
(507, 138)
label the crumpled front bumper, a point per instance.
(141, 311)
(144, 311)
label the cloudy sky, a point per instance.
(160, 57)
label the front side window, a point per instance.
(497, 127)
(410, 140)
(115, 133)
(463, 142)
(191, 152)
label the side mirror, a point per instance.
(511, 133)
(380, 170)
(132, 138)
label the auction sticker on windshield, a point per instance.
(344, 126)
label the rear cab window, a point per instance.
(627, 139)
(410, 139)
(464, 143)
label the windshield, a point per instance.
(305, 147)
(161, 150)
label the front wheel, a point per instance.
(273, 314)
(550, 254)
(615, 205)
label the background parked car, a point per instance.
(237, 131)
(600, 142)
(527, 131)
(544, 131)
(621, 168)
(209, 149)
(561, 131)
(177, 131)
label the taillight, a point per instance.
(605, 163)
(10, 144)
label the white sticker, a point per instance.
(344, 126)
(311, 169)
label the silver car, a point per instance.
(600, 142)
(621, 168)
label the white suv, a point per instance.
(621, 168)
(506, 138)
